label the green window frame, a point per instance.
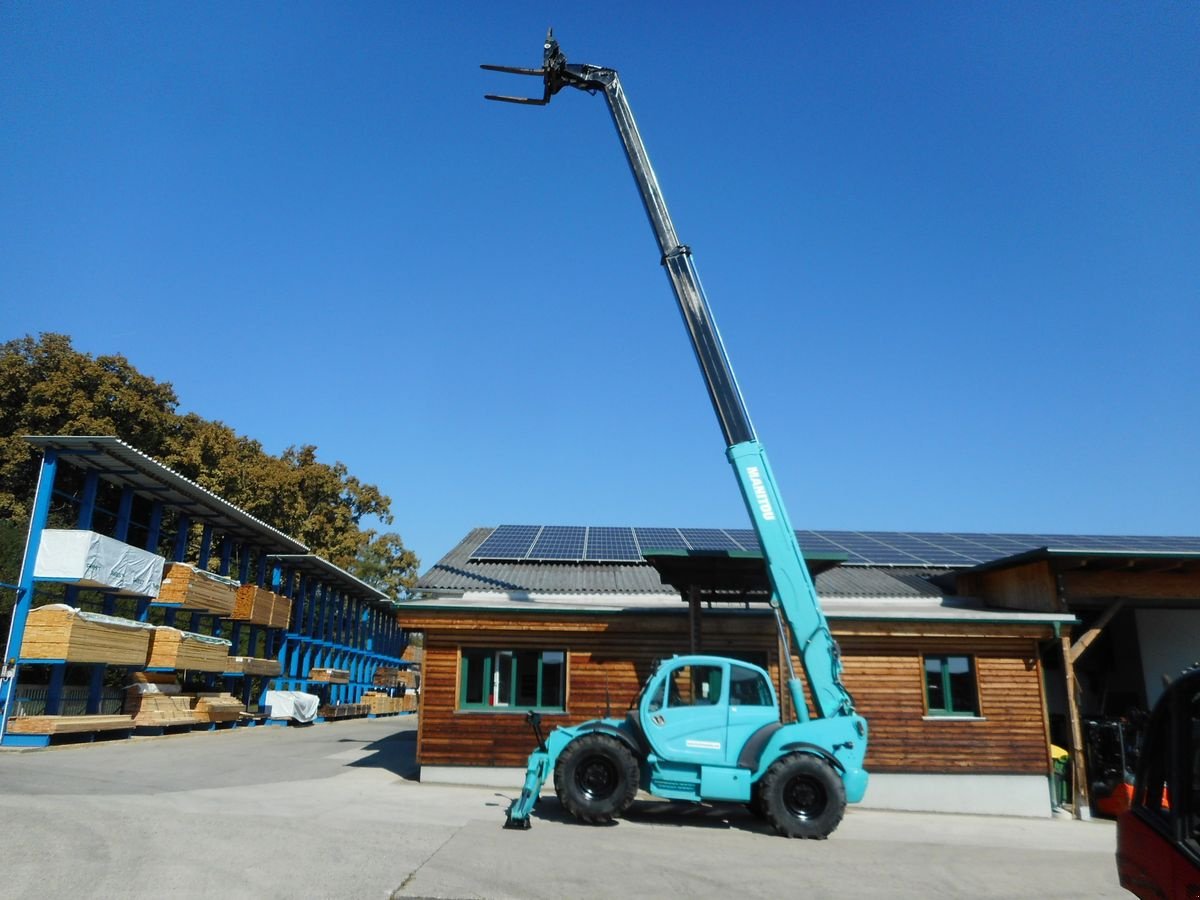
(512, 680)
(951, 688)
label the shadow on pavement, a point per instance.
(397, 753)
(727, 816)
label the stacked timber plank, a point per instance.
(386, 676)
(154, 701)
(329, 676)
(160, 710)
(194, 588)
(217, 707)
(409, 702)
(250, 665)
(259, 606)
(344, 710)
(67, 724)
(59, 631)
(382, 704)
(175, 649)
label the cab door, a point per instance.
(684, 717)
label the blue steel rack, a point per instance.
(338, 621)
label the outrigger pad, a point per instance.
(517, 824)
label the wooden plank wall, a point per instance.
(609, 658)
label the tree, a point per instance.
(384, 563)
(48, 387)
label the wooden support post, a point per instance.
(1086, 639)
(694, 619)
(1078, 764)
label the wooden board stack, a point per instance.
(175, 649)
(197, 589)
(249, 665)
(329, 676)
(67, 724)
(343, 710)
(382, 704)
(217, 708)
(160, 710)
(259, 606)
(386, 676)
(59, 631)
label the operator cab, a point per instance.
(702, 709)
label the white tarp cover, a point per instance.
(99, 618)
(292, 705)
(88, 559)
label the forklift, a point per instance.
(710, 728)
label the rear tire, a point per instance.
(803, 796)
(596, 778)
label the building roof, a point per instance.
(459, 581)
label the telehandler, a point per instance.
(708, 727)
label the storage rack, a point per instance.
(336, 619)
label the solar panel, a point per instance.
(709, 539)
(659, 539)
(508, 542)
(559, 542)
(611, 545)
(881, 548)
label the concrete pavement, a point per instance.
(335, 811)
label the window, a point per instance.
(748, 688)
(513, 679)
(950, 686)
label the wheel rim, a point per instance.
(804, 797)
(596, 778)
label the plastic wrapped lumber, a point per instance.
(175, 649)
(197, 589)
(59, 631)
(329, 676)
(88, 559)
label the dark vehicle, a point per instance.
(1158, 839)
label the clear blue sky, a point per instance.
(954, 249)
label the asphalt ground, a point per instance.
(336, 810)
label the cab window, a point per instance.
(748, 688)
(694, 686)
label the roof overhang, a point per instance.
(1064, 559)
(120, 464)
(731, 575)
(328, 573)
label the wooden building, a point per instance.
(955, 657)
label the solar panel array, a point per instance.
(574, 543)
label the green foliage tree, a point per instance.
(48, 387)
(384, 563)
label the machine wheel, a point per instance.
(803, 796)
(757, 806)
(596, 778)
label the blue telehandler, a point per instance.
(709, 728)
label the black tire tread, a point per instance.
(773, 784)
(581, 807)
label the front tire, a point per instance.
(803, 797)
(596, 778)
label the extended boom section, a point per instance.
(798, 775)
